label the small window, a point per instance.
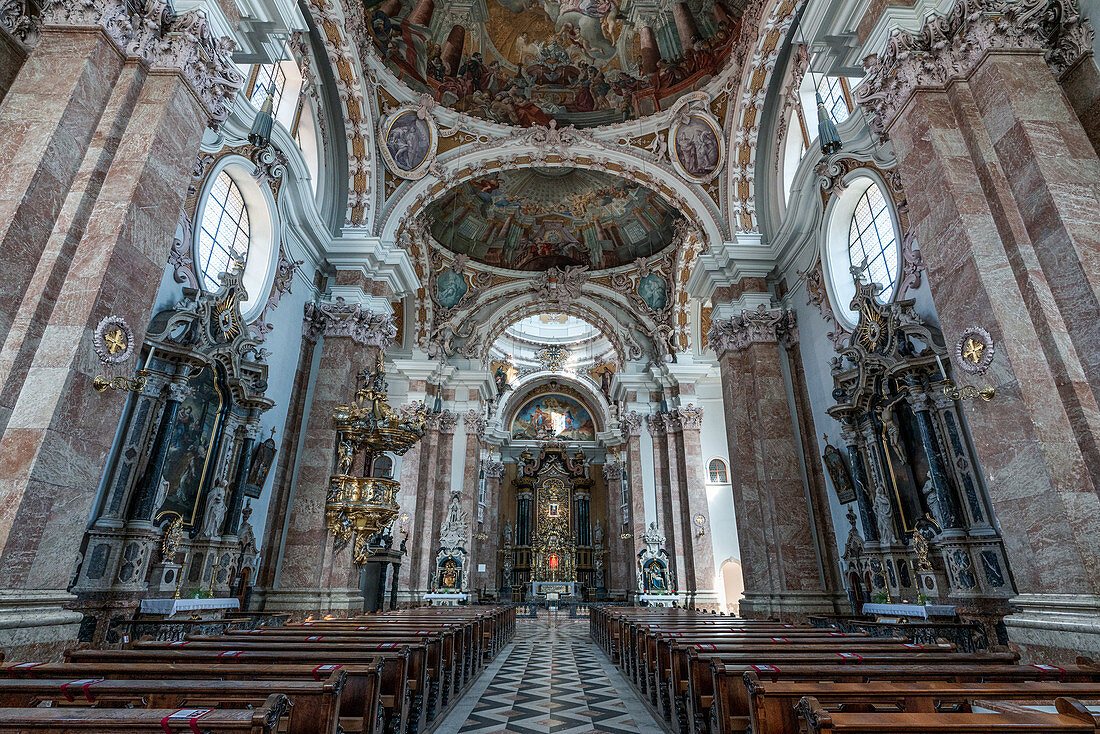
(872, 239)
(718, 472)
(224, 234)
(383, 468)
(266, 76)
(832, 94)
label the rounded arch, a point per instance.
(524, 387)
(476, 160)
(732, 579)
(834, 242)
(264, 230)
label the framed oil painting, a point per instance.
(696, 147)
(408, 142)
(191, 447)
(554, 416)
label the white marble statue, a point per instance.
(215, 511)
(884, 517)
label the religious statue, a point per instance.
(172, 537)
(448, 574)
(656, 579)
(507, 533)
(884, 516)
(215, 511)
(920, 547)
(598, 533)
(346, 455)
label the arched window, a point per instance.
(224, 231)
(383, 468)
(871, 238)
(718, 472)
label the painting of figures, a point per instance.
(554, 416)
(577, 62)
(698, 149)
(190, 447)
(408, 141)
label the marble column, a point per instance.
(685, 25)
(98, 147)
(313, 576)
(475, 424)
(494, 471)
(421, 506)
(632, 435)
(775, 524)
(435, 487)
(658, 431)
(422, 12)
(619, 563)
(235, 501)
(650, 53)
(142, 505)
(699, 581)
(1000, 177)
(862, 484)
(451, 55)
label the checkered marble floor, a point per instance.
(553, 679)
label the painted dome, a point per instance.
(579, 62)
(535, 219)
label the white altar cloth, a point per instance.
(446, 600)
(911, 610)
(170, 607)
(660, 600)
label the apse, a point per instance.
(538, 218)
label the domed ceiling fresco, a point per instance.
(579, 62)
(535, 219)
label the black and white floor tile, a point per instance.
(553, 679)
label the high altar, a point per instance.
(556, 488)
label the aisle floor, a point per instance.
(552, 679)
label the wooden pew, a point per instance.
(360, 703)
(1071, 717)
(314, 706)
(772, 705)
(262, 720)
(395, 691)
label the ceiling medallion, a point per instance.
(696, 145)
(974, 350)
(408, 137)
(552, 357)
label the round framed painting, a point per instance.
(408, 141)
(696, 147)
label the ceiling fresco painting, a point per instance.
(554, 416)
(578, 62)
(535, 219)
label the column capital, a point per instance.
(447, 421)
(762, 325)
(338, 318)
(656, 424)
(494, 469)
(948, 48)
(179, 390)
(163, 41)
(475, 423)
(631, 424)
(690, 417)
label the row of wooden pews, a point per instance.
(394, 673)
(711, 674)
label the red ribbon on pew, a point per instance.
(315, 638)
(705, 646)
(235, 654)
(1051, 669)
(179, 643)
(191, 716)
(850, 655)
(837, 634)
(675, 634)
(324, 669)
(362, 629)
(767, 669)
(255, 632)
(23, 666)
(423, 632)
(911, 646)
(85, 684)
(780, 639)
(386, 646)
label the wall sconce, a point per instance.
(481, 536)
(973, 352)
(700, 524)
(626, 536)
